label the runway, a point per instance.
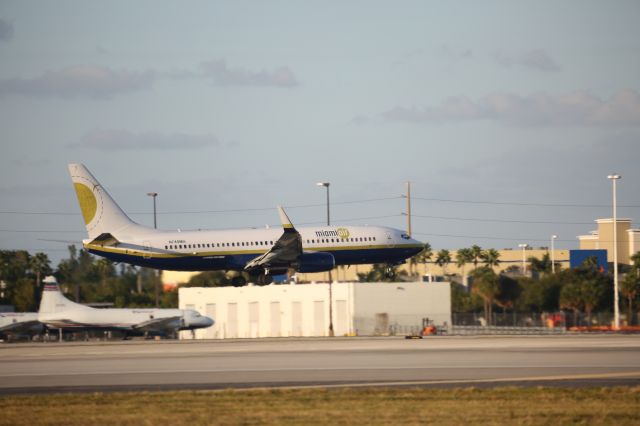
(435, 361)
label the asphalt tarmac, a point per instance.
(579, 360)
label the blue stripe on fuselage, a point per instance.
(238, 261)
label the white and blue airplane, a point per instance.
(58, 312)
(261, 253)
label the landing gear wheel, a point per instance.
(238, 281)
(264, 279)
(389, 272)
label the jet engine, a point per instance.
(315, 262)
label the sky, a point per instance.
(506, 117)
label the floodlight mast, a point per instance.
(616, 307)
(331, 332)
(524, 261)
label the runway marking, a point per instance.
(633, 374)
(282, 370)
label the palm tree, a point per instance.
(443, 258)
(490, 258)
(570, 298)
(39, 263)
(486, 285)
(105, 270)
(421, 257)
(476, 255)
(630, 288)
(425, 255)
(463, 256)
(541, 265)
(635, 261)
(591, 291)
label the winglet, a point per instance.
(284, 219)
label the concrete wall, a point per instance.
(303, 310)
(385, 307)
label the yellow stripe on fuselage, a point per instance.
(175, 254)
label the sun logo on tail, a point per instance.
(87, 200)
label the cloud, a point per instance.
(578, 108)
(124, 140)
(455, 53)
(80, 81)
(224, 76)
(536, 59)
(6, 30)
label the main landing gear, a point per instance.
(260, 279)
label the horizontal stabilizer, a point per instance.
(105, 239)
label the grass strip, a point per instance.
(505, 405)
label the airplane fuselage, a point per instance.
(233, 249)
(84, 317)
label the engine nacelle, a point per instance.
(315, 262)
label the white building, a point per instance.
(303, 310)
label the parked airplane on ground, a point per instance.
(19, 324)
(58, 312)
(260, 252)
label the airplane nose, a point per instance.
(207, 322)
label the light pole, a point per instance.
(553, 256)
(616, 308)
(331, 333)
(524, 260)
(155, 226)
(154, 195)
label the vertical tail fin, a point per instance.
(101, 214)
(53, 300)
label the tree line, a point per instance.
(82, 277)
(579, 291)
(87, 279)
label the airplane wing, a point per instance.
(285, 251)
(22, 327)
(160, 324)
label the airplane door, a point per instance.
(146, 253)
(390, 240)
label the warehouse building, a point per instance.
(303, 310)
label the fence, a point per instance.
(541, 321)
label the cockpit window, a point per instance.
(405, 236)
